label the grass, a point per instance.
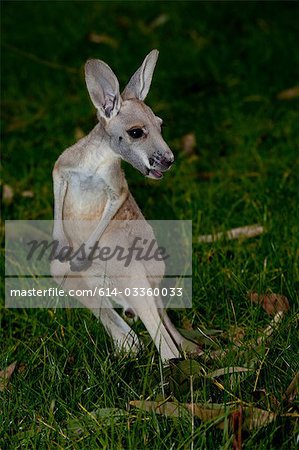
(221, 67)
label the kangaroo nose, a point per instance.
(166, 162)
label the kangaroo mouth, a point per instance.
(156, 170)
(155, 174)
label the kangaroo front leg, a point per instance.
(60, 188)
(112, 206)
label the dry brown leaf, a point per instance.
(205, 175)
(250, 417)
(7, 194)
(5, 375)
(103, 39)
(236, 335)
(247, 232)
(228, 371)
(272, 303)
(292, 389)
(168, 409)
(186, 324)
(27, 194)
(256, 418)
(289, 94)
(188, 143)
(159, 21)
(208, 412)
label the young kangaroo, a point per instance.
(93, 203)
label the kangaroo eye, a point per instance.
(136, 133)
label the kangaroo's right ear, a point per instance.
(140, 82)
(103, 88)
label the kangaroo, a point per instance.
(93, 203)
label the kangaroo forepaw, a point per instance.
(80, 265)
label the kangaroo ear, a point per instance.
(103, 88)
(140, 82)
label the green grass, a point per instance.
(220, 69)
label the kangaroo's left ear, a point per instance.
(103, 88)
(140, 82)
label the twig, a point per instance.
(271, 327)
(35, 58)
(248, 231)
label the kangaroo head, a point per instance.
(133, 130)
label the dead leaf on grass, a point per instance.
(205, 175)
(186, 324)
(27, 194)
(209, 412)
(201, 336)
(251, 418)
(7, 194)
(168, 409)
(256, 418)
(5, 375)
(289, 94)
(292, 390)
(246, 232)
(188, 143)
(272, 303)
(103, 39)
(228, 371)
(159, 21)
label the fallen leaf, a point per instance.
(168, 409)
(228, 370)
(256, 418)
(201, 336)
(124, 22)
(252, 417)
(188, 143)
(27, 194)
(22, 367)
(248, 231)
(236, 335)
(5, 375)
(7, 194)
(253, 98)
(272, 303)
(186, 324)
(178, 374)
(103, 39)
(205, 175)
(159, 21)
(209, 412)
(292, 389)
(289, 94)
